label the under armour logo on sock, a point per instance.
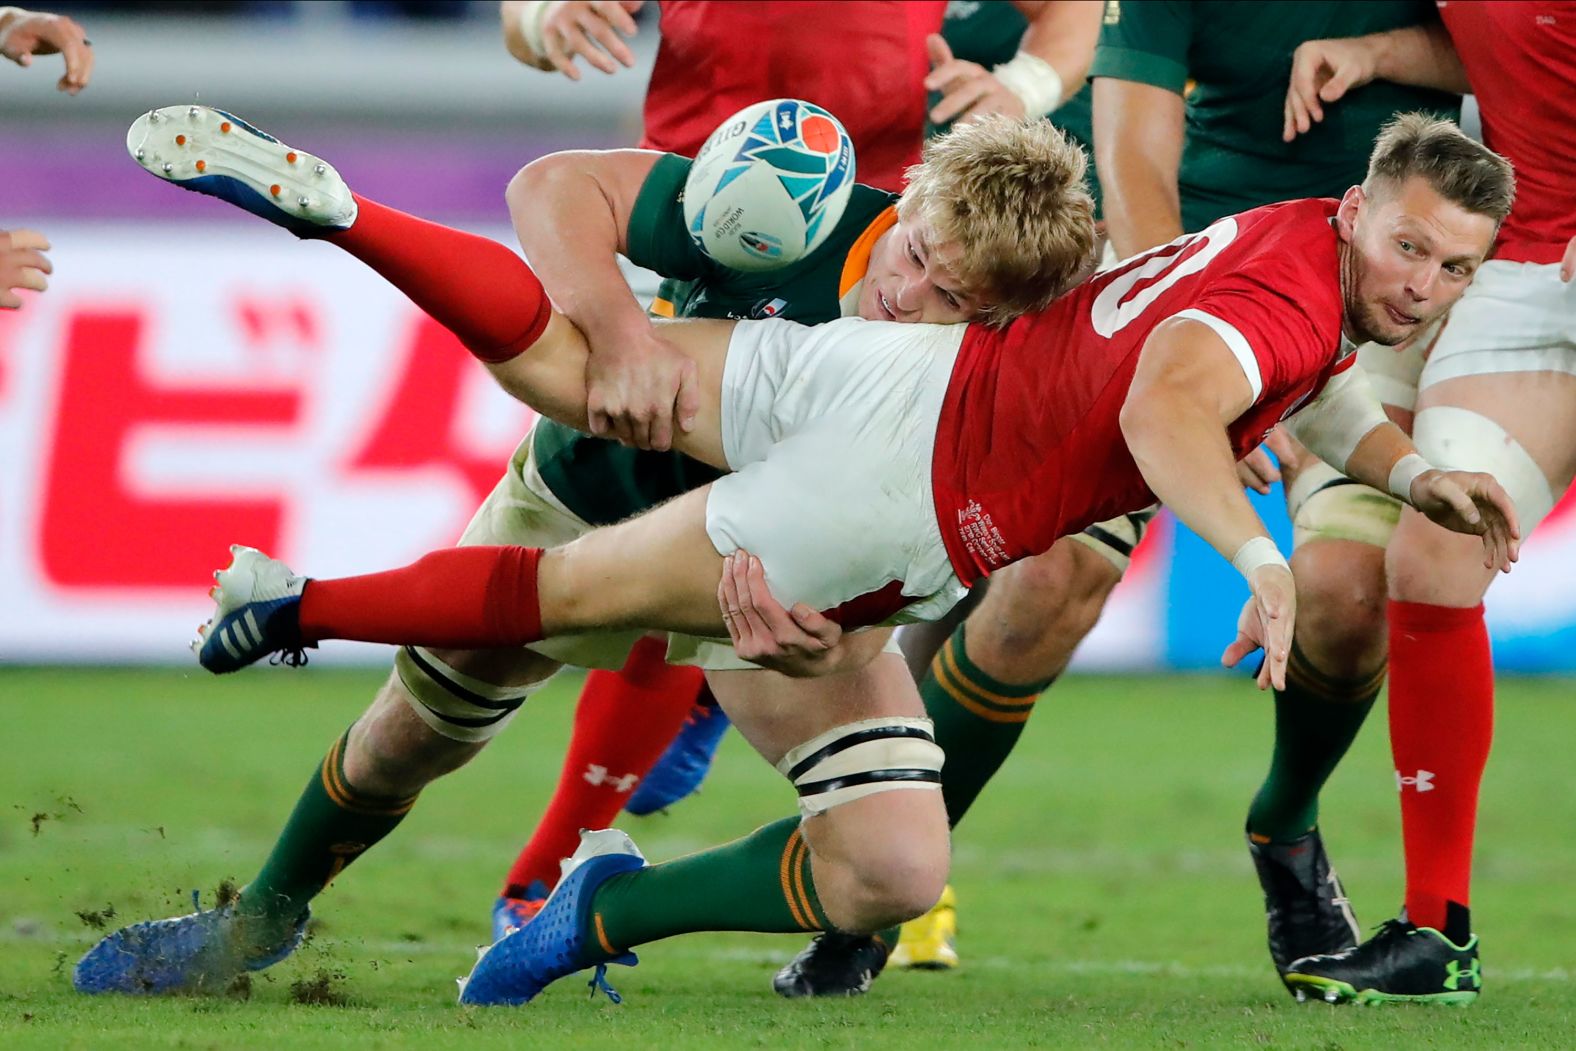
(599, 775)
(1423, 782)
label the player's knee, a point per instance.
(1341, 605)
(466, 696)
(902, 883)
(1040, 611)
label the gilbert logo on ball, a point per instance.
(769, 185)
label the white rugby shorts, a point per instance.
(830, 432)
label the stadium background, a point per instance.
(194, 378)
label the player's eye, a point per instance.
(913, 256)
(1456, 269)
(1407, 246)
(950, 299)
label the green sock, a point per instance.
(1316, 719)
(759, 883)
(332, 825)
(978, 721)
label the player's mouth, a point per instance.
(885, 306)
(1399, 318)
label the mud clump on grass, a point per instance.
(323, 989)
(240, 987)
(97, 919)
(226, 893)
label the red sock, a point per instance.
(473, 286)
(1441, 725)
(624, 722)
(462, 597)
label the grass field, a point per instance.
(1106, 899)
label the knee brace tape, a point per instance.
(1326, 505)
(452, 703)
(1464, 440)
(860, 759)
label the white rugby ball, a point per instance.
(769, 185)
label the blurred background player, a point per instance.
(1034, 50)
(1497, 393)
(1171, 161)
(24, 34)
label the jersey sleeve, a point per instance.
(658, 238)
(1146, 43)
(1277, 339)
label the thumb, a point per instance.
(936, 47)
(25, 59)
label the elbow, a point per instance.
(1138, 417)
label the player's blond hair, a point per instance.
(1460, 170)
(1011, 194)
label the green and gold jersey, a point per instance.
(1238, 55)
(602, 481)
(988, 32)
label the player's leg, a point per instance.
(480, 290)
(431, 717)
(1336, 672)
(1497, 395)
(624, 720)
(869, 850)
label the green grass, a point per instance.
(1106, 898)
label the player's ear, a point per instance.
(1346, 214)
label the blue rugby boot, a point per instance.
(200, 952)
(212, 152)
(685, 763)
(554, 944)
(510, 914)
(257, 612)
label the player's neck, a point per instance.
(1346, 268)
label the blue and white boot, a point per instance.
(212, 152)
(258, 607)
(685, 763)
(199, 952)
(554, 943)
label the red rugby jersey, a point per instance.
(1029, 449)
(1521, 60)
(863, 62)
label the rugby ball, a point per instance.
(769, 185)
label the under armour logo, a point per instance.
(598, 775)
(1457, 974)
(1423, 782)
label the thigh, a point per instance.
(777, 714)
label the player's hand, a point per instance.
(22, 265)
(1471, 502)
(639, 387)
(798, 642)
(1568, 264)
(589, 29)
(968, 89)
(37, 33)
(1257, 471)
(1266, 623)
(1322, 71)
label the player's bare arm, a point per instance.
(1049, 68)
(1323, 71)
(571, 212)
(24, 34)
(1138, 132)
(1187, 388)
(550, 34)
(23, 264)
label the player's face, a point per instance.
(1413, 254)
(911, 278)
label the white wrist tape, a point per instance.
(1034, 80)
(1260, 551)
(533, 23)
(1404, 473)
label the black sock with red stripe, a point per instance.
(332, 825)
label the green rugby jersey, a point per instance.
(604, 482)
(1238, 54)
(988, 32)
